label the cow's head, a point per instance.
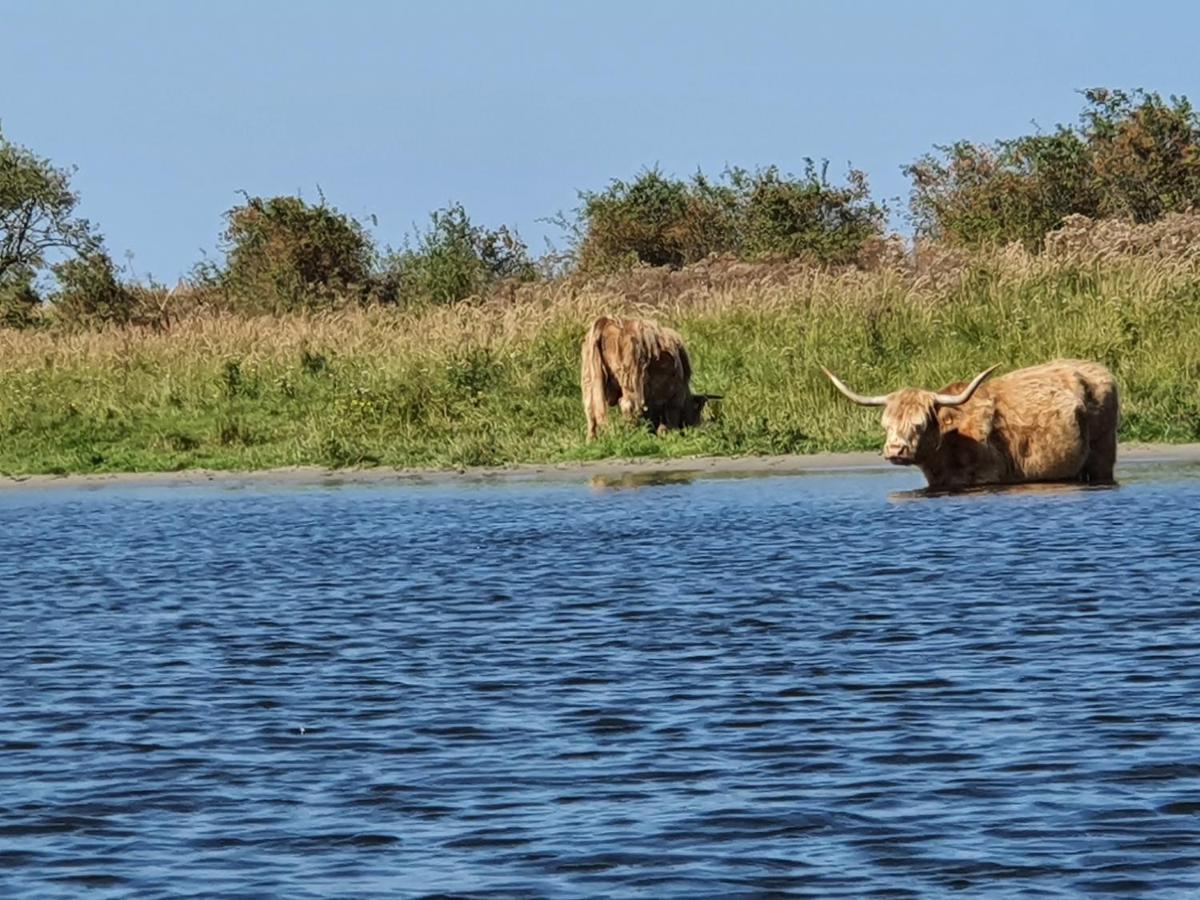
(695, 406)
(910, 416)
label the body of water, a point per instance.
(811, 686)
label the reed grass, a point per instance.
(495, 382)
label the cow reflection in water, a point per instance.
(981, 491)
(1053, 422)
(626, 481)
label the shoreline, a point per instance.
(637, 468)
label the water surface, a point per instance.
(817, 686)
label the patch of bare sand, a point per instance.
(646, 471)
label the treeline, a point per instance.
(1131, 156)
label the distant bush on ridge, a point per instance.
(452, 260)
(761, 215)
(1133, 156)
(283, 254)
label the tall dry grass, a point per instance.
(496, 381)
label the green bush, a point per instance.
(807, 218)
(90, 294)
(761, 215)
(1145, 153)
(283, 254)
(654, 220)
(20, 303)
(1132, 155)
(453, 260)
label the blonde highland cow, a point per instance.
(1052, 422)
(643, 368)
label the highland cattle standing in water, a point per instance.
(641, 367)
(1052, 422)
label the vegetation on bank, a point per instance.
(497, 382)
(309, 342)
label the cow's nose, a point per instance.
(896, 451)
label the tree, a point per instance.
(37, 214)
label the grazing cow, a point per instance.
(642, 367)
(1053, 422)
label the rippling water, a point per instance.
(809, 685)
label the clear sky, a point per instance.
(396, 108)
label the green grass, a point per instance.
(498, 383)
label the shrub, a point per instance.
(1145, 153)
(453, 260)
(1132, 155)
(283, 254)
(654, 220)
(804, 218)
(90, 294)
(20, 303)
(1016, 190)
(761, 215)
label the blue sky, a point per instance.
(395, 109)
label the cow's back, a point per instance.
(1060, 385)
(1048, 415)
(646, 366)
(1026, 425)
(621, 350)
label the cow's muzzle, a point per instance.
(898, 456)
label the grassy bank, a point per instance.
(497, 382)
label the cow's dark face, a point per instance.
(694, 409)
(910, 421)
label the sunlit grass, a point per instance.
(497, 382)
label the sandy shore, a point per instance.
(635, 469)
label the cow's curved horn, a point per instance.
(877, 400)
(713, 396)
(960, 399)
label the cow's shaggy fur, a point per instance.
(1051, 422)
(643, 368)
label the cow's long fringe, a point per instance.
(592, 377)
